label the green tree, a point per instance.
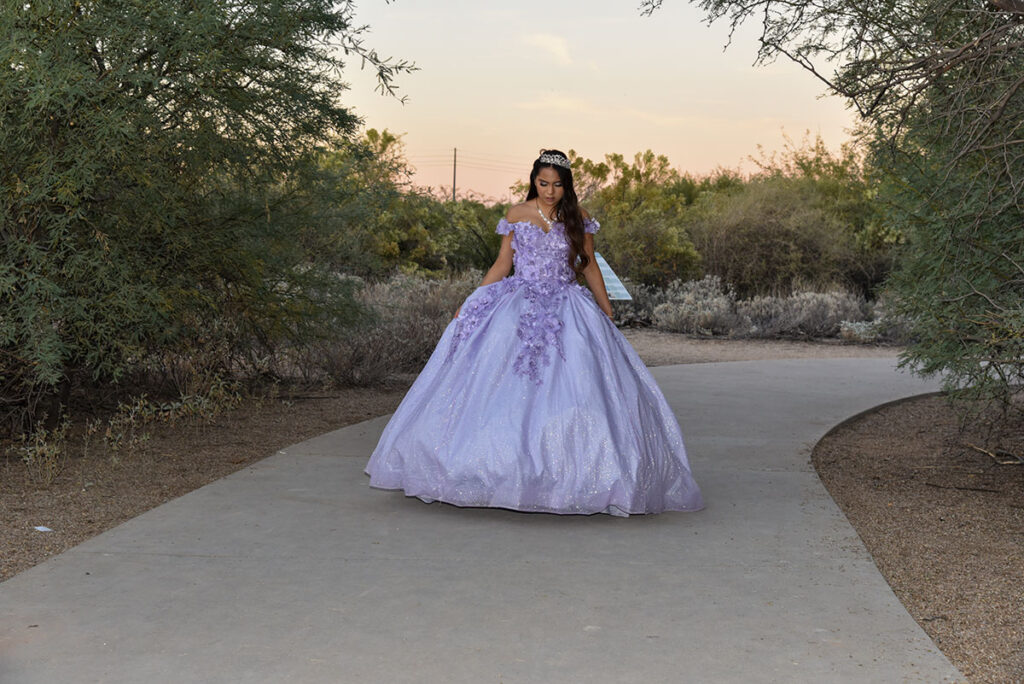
(361, 212)
(471, 241)
(148, 150)
(842, 188)
(960, 277)
(938, 87)
(769, 237)
(640, 205)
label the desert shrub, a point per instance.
(883, 326)
(367, 356)
(808, 215)
(767, 237)
(409, 315)
(960, 275)
(893, 327)
(128, 428)
(647, 245)
(357, 208)
(802, 314)
(701, 307)
(859, 332)
(432, 302)
(843, 185)
(638, 311)
(470, 241)
(707, 307)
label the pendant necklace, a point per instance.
(544, 216)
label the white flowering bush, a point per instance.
(802, 314)
(883, 327)
(859, 332)
(709, 307)
(638, 311)
(700, 307)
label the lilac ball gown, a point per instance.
(534, 401)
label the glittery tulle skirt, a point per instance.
(534, 401)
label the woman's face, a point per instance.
(549, 187)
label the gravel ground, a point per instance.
(659, 348)
(95, 492)
(953, 554)
(945, 525)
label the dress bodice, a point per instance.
(539, 255)
(542, 282)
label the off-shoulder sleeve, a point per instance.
(590, 225)
(504, 227)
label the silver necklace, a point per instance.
(544, 216)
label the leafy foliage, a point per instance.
(960, 279)
(148, 151)
(939, 88)
(640, 206)
(356, 207)
(768, 237)
(806, 218)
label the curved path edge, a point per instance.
(293, 569)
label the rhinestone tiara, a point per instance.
(555, 159)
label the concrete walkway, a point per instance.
(294, 570)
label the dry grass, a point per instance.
(95, 492)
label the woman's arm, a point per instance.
(502, 266)
(592, 274)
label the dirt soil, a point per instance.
(659, 348)
(944, 524)
(97, 491)
(952, 554)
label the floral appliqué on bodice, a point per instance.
(541, 262)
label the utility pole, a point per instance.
(455, 159)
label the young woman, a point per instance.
(533, 400)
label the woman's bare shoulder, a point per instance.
(518, 212)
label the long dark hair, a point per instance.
(567, 211)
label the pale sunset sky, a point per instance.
(499, 81)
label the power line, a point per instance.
(503, 172)
(481, 169)
(415, 159)
(477, 156)
(502, 157)
(447, 159)
(496, 160)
